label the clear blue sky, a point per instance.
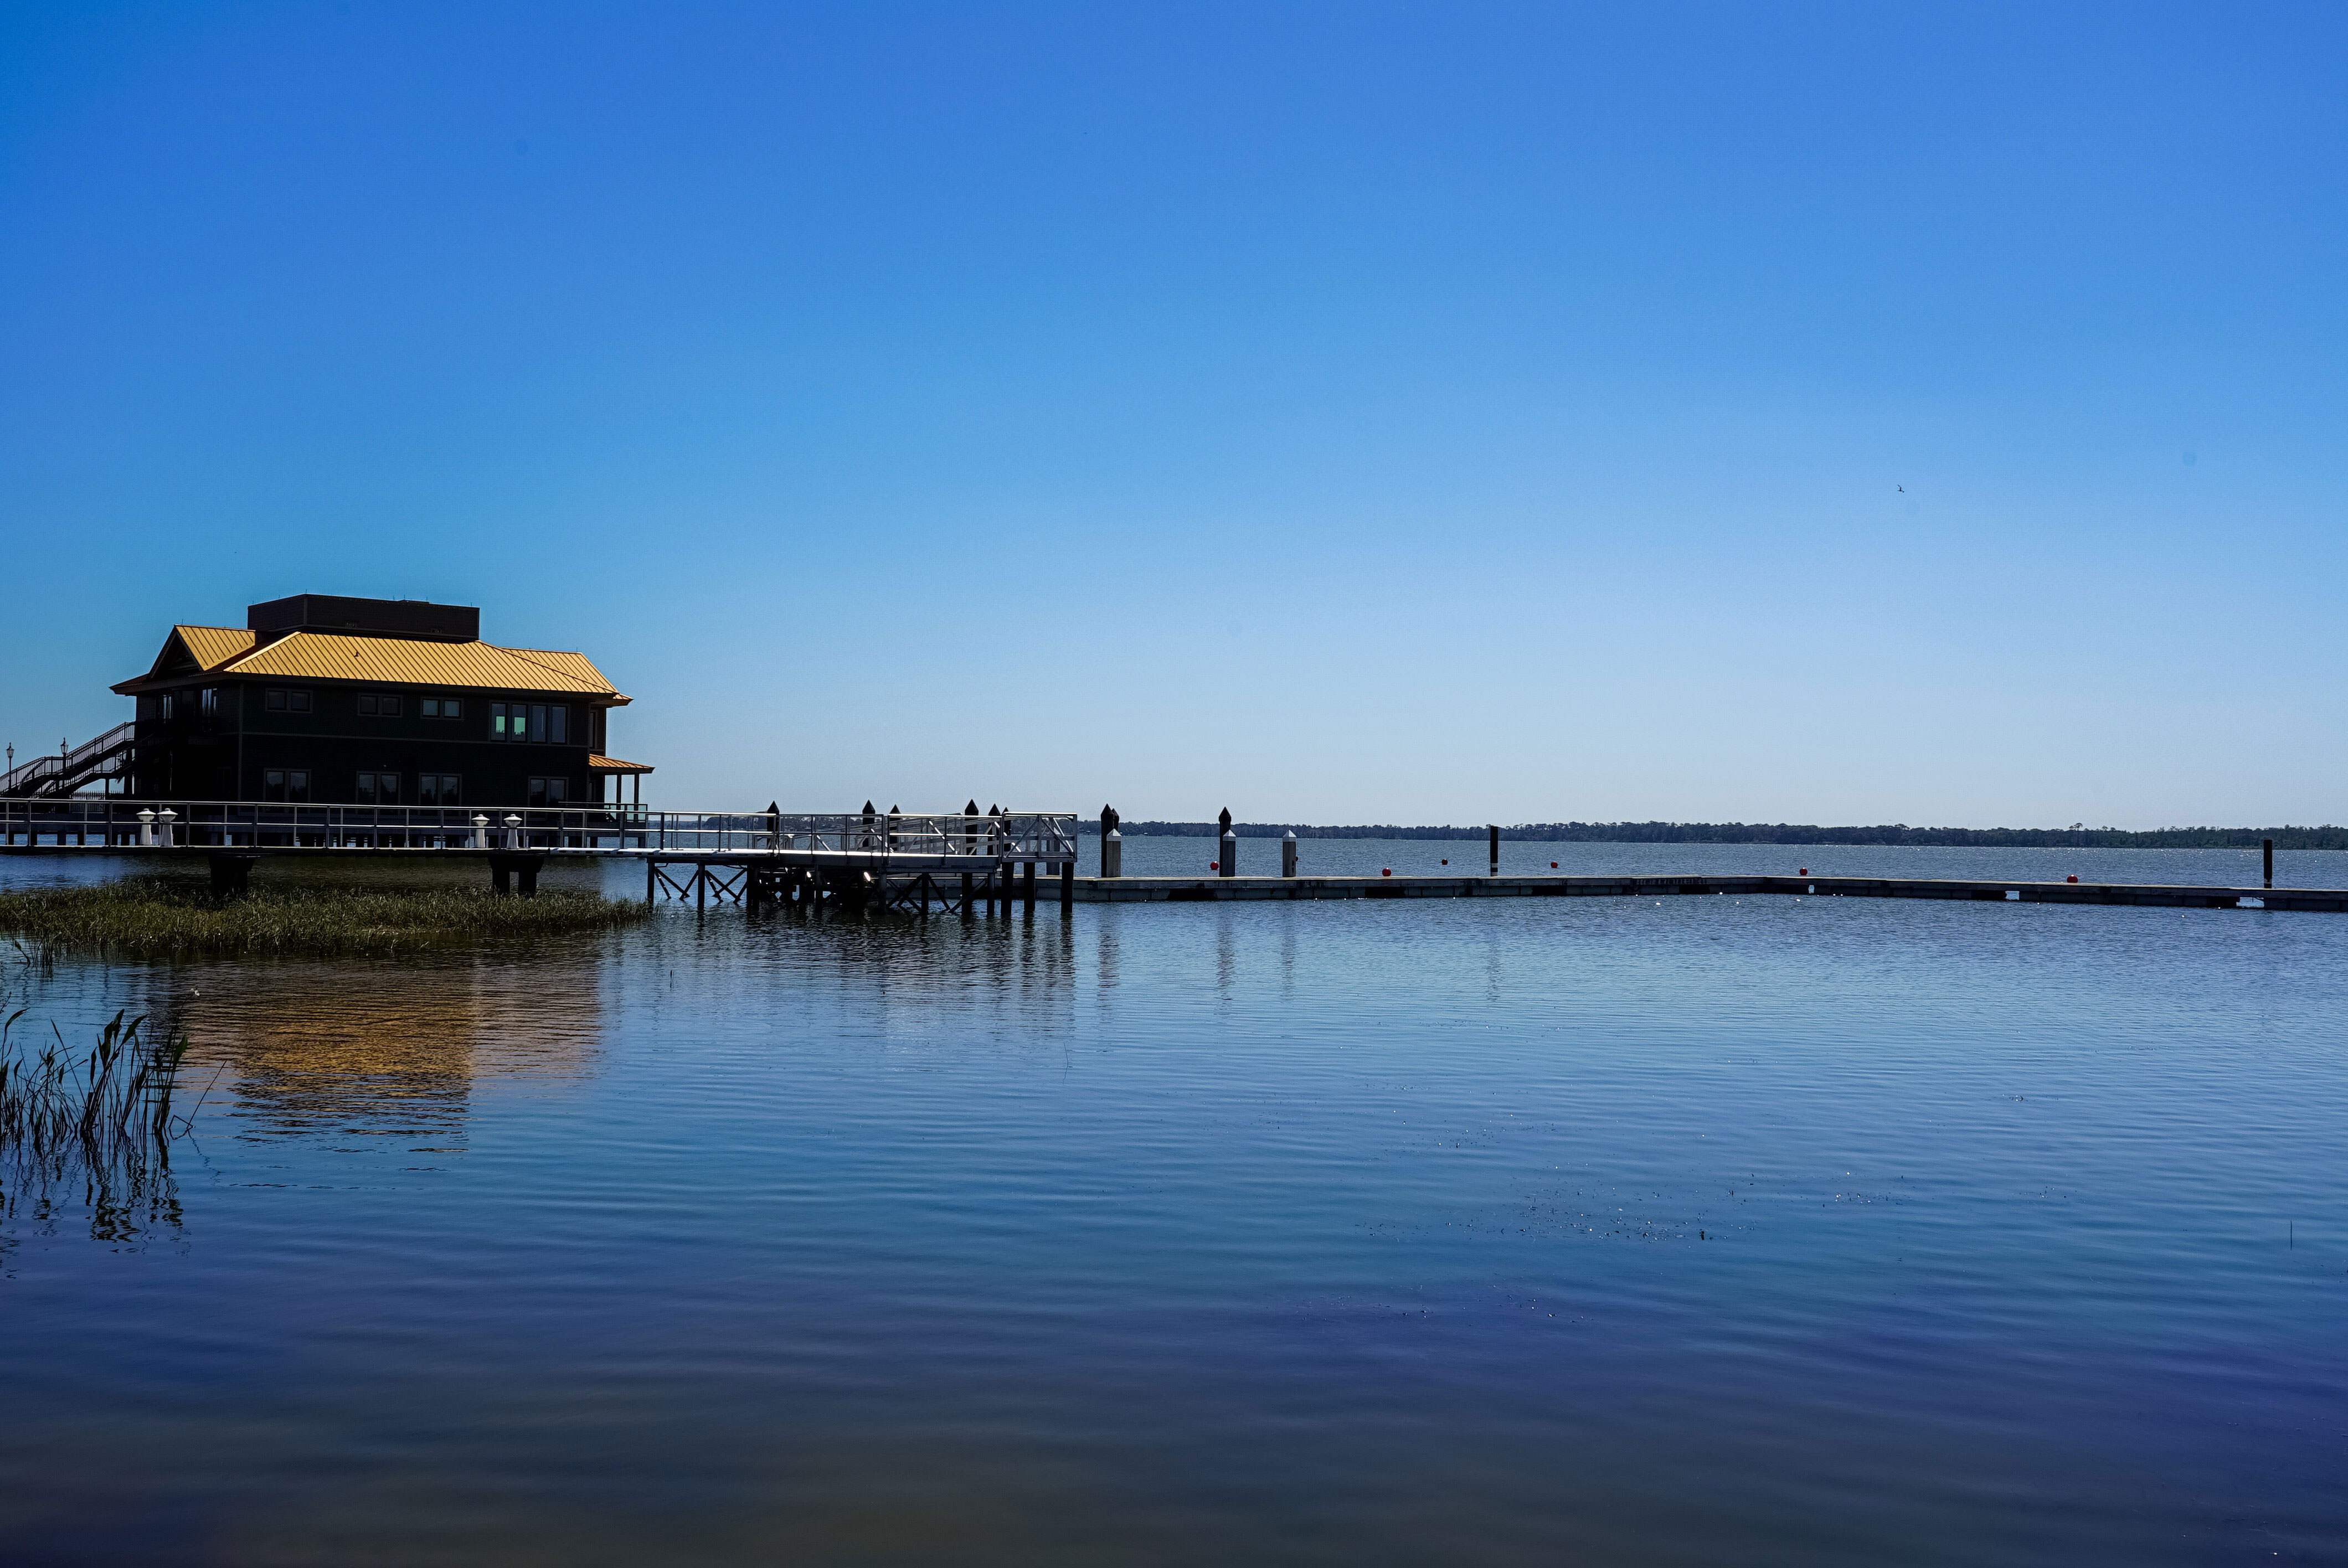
(1347, 413)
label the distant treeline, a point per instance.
(1789, 833)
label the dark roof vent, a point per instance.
(411, 618)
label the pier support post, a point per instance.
(966, 895)
(1288, 855)
(1495, 830)
(504, 868)
(1113, 853)
(232, 874)
(1068, 889)
(2269, 842)
(649, 875)
(1027, 887)
(1230, 859)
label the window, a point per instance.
(167, 704)
(437, 789)
(286, 702)
(549, 791)
(443, 708)
(379, 704)
(378, 789)
(530, 722)
(207, 701)
(285, 783)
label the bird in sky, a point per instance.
(1903, 489)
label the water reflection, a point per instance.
(389, 1051)
(1019, 970)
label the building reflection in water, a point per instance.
(386, 1050)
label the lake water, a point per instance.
(1608, 1231)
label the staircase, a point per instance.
(65, 771)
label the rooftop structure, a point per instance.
(358, 700)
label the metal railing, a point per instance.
(52, 775)
(115, 821)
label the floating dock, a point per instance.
(1259, 889)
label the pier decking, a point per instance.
(1245, 889)
(899, 859)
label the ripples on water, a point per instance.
(1688, 1231)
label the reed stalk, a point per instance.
(106, 1117)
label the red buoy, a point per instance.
(1388, 871)
(1214, 865)
(1553, 866)
(1446, 863)
(1806, 871)
(2070, 879)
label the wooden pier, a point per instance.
(1261, 889)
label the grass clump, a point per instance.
(103, 1121)
(139, 918)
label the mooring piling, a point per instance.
(1288, 855)
(2269, 842)
(1494, 829)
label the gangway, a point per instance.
(107, 757)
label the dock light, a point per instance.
(513, 822)
(480, 822)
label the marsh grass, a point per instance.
(151, 918)
(102, 1122)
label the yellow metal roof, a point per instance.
(598, 764)
(338, 656)
(214, 646)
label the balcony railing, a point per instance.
(97, 821)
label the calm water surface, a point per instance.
(1693, 1231)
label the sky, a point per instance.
(1339, 413)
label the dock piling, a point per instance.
(2269, 842)
(1230, 860)
(1494, 829)
(232, 874)
(1288, 855)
